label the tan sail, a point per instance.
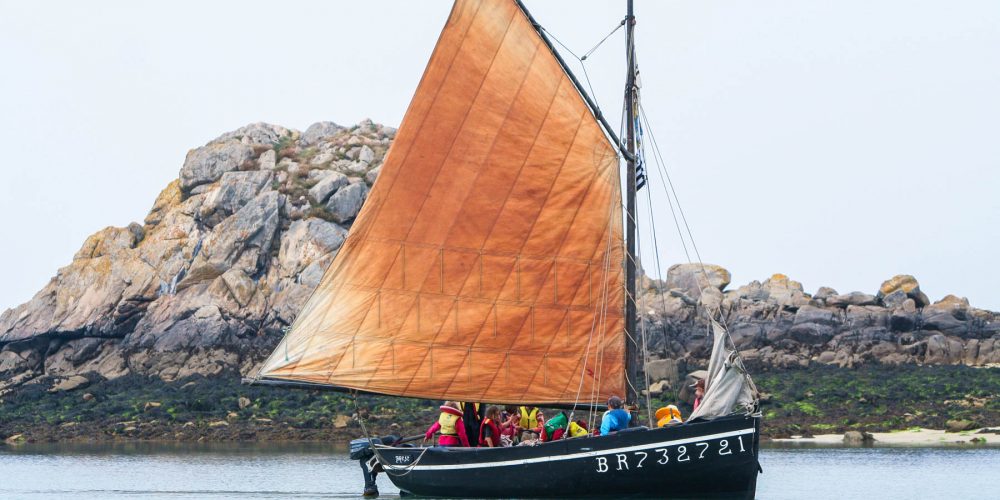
(486, 264)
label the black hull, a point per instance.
(715, 459)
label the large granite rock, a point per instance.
(242, 241)
(305, 242)
(234, 190)
(318, 131)
(259, 134)
(693, 278)
(851, 299)
(902, 284)
(329, 184)
(345, 204)
(226, 257)
(206, 164)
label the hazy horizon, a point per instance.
(839, 143)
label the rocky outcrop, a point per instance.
(691, 279)
(206, 164)
(777, 324)
(225, 259)
(231, 250)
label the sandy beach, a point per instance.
(915, 437)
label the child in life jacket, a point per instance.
(578, 429)
(451, 426)
(527, 420)
(489, 429)
(534, 435)
(555, 427)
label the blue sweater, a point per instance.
(614, 420)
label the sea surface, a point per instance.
(161, 471)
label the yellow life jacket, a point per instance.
(668, 415)
(528, 419)
(576, 431)
(447, 421)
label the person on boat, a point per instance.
(529, 415)
(472, 416)
(489, 429)
(555, 427)
(509, 426)
(536, 434)
(451, 426)
(539, 429)
(616, 418)
(699, 393)
(528, 422)
(578, 429)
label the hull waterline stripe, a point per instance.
(571, 456)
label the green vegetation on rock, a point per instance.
(815, 400)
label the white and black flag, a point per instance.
(640, 157)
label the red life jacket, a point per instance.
(494, 429)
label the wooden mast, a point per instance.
(631, 337)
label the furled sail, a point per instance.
(486, 264)
(728, 387)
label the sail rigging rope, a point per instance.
(662, 168)
(642, 335)
(581, 60)
(408, 468)
(603, 302)
(592, 50)
(605, 291)
(665, 176)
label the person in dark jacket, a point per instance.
(472, 417)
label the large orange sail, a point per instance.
(486, 264)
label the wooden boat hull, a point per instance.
(712, 459)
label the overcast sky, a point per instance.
(839, 142)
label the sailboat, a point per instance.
(493, 262)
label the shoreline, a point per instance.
(892, 402)
(916, 436)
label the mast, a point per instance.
(631, 338)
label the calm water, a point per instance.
(242, 472)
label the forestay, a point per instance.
(486, 264)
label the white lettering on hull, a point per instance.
(682, 454)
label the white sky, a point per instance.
(839, 142)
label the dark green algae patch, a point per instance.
(827, 400)
(815, 400)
